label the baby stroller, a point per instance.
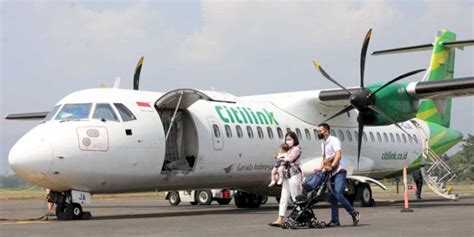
(302, 214)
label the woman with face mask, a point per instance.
(291, 186)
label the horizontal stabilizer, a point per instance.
(27, 116)
(452, 44)
(415, 48)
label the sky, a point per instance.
(52, 48)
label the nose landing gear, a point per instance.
(66, 209)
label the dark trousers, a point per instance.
(419, 185)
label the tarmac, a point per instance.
(431, 217)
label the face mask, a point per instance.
(289, 143)
(320, 136)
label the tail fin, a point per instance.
(441, 68)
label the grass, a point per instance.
(37, 193)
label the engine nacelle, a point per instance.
(394, 101)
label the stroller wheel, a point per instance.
(285, 225)
(322, 224)
(294, 226)
(309, 225)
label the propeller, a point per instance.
(136, 76)
(363, 100)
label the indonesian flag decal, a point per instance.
(145, 106)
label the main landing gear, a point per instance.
(65, 208)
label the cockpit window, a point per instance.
(52, 113)
(105, 111)
(74, 111)
(124, 112)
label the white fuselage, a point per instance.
(205, 147)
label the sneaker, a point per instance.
(355, 218)
(333, 224)
(272, 183)
(280, 181)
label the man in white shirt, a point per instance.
(332, 164)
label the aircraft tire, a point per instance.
(241, 199)
(364, 194)
(62, 213)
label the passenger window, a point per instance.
(372, 138)
(392, 137)
(364, 136)
(298, 133)
(341, 135)
(415, 138)
(260, 132)
(349, 136)
(228, 131)
(410, 139)
(308, 134)
(385, 137)
(74, 111)
(240, 134)
(217, 131)
(379, 138)
(333, 133)
(249, 132)
(52, 113)
(315, 134)
(356, 135)
(398, 138)
(104, 111)
(404, 138)
(124, 112)
(280, 133)
(270, 132)
(288, 130)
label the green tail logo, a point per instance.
(441, 68)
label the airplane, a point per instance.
(112, 140)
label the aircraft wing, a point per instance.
(443, 89)
(27, 116)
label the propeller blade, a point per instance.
(359, 137)
(136, 76)
(377, 110)
(345, 110)
(363, 53)
(396, 79)
(326, 75)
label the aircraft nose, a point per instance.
(30, 158)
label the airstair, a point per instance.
(437, 174)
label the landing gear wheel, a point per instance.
(264, 199)
(255, 200)
(174, 199)
(61, 212)
(364, 193)
(204, 197)
(223, 201)
(241, 199)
